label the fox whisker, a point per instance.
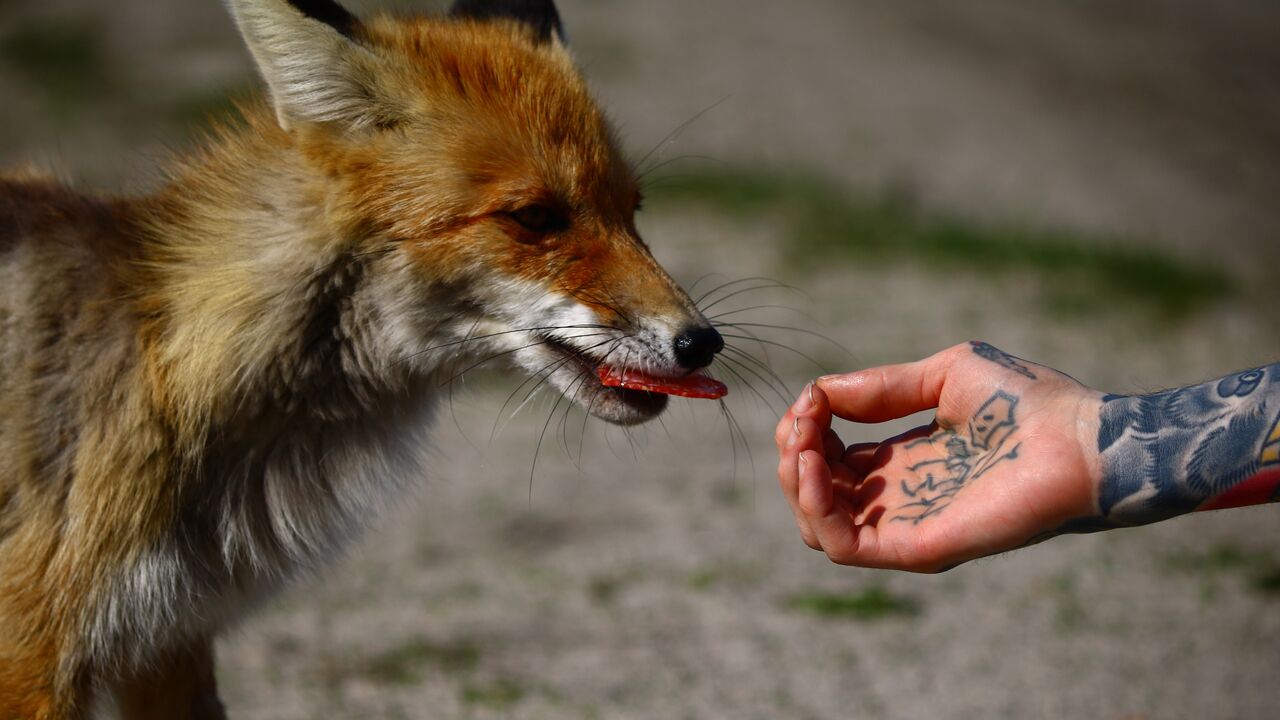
(537, 450)
(489, 336)
(755, 308)
(512, 351)
(729, 284)
(744, 356)
(771, 343)
(542, 377)
(757, 288)
(675, 134)
(679, 158)
(562, 432)
(746, 383)
(754, 338)
(694, 287)
(591, 406)
(564, 397)
(736, 435)
(729, 364)
(788, 328)
(629, 434)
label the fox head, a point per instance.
(466, 152)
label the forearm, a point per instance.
(1204, 447)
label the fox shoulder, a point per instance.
(36, 207)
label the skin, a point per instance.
(1018, 453)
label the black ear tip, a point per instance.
(541, 15)
(330, 13)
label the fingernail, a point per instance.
(812, 401)
(806, 400)
(795, 427)
(804, 461)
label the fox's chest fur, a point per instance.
(279, 509)
(292, 459)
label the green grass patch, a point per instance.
(1260, 568)
(1267, 581)
(738, 575)
(406, 664)
(1220, 557)
(1083, 272)
(703, 580)
(874, 603)
(603, 589)
(64, 60)
(498, 695)
(1069, 613)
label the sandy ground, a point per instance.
(656, 576)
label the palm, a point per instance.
(987, 483)
(1002, 464)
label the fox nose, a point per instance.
(696, 347)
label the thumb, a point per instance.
(890, 392)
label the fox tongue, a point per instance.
(690, 386)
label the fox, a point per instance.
(208, 391)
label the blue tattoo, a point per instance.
(1166, 454)
(994, 421)
(935, 483)
(1241, 385)
(1001, 358)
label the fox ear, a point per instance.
(541, 15)
(307, 52)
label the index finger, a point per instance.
(812, 403)
(890, 392)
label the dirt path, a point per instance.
(663, 581)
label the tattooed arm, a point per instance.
(1018, 453)
(1205, 447)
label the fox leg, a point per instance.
(180, 686)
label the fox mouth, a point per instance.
(578, 376)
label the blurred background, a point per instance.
(1091, 184)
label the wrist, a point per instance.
(1088, 424)
(1142, 476)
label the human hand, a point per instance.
(1010, 458)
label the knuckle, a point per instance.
(842, 556)
(785, 475)
(843, 553)
(926, 556)
(783, 427)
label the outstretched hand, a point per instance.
(1010, 458)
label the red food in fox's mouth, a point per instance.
(690, 386)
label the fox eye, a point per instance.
(540, 219)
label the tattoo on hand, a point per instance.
(1001, 358)
(1173, 452)
(985, 444)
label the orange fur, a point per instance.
(206, 391)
